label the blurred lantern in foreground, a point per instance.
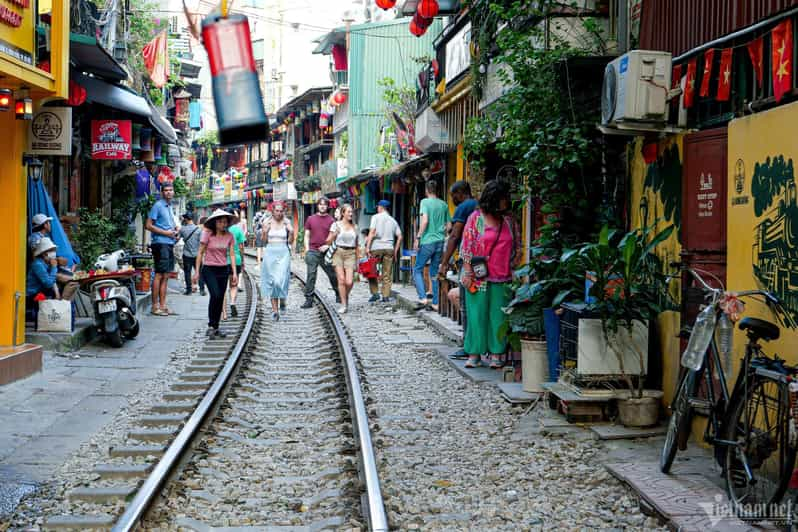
(236, 90)
(415, 30)
(385, 4)
(428, 8)
(339, 97)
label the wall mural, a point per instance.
(664, 178)
(775, 249)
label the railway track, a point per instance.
(267, 427)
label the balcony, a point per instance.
(340, 78)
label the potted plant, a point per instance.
(629, 289)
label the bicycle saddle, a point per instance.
(757, 329)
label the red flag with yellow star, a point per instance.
(724, 77)
(781, 53)
(689, 84)
(709, 55)
(755, 48)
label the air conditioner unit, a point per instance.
(636, 88)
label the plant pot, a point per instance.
(534, 365)
(640, 412)
(143, 281)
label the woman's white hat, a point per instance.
(220, 213)
(44, 245)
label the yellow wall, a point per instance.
(762, 190)
(647, 204)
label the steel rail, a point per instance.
(157, 479)
(375, 506)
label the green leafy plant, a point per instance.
(399, 108)
(93, 235)
(180, 187)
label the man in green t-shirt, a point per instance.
(429, 243)
(240, 238)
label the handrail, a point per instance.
(375, 511)
(151, 488)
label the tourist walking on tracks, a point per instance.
(490, 250)
(345, 236)
(257, 226)
(161, 223)
(190, 233)
(201, 283)
(276, 269)
(384, 242)
(237, 263)
(217, 245)
(429, 243)
(317, 230)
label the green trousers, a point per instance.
(485, 318)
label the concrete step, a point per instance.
(162, 420)
(198, 377)
(165, 408)
(105, 494)
(198, 385)
(178, 396)
(153, 435)
(123, 471)
(128, 451)
(78, 522)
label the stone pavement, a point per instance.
(47, 416)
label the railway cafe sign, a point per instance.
(111, 139)
(16, 29)
(50, 131)
(762, 223)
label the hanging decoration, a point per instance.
(339, 97)
(755, 52)
(385, 4)
(414, 29)
(428, 8)
(781, 52)
(724, 76)
(709, 56)
(689, 84)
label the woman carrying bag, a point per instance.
(276, 268)
(489, 252)
(217, 244)
(344, 237)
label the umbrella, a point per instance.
(39, 202)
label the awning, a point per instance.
(86, 55)
(114, 96)
(162, 125)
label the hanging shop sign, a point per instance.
(50, 132)
(458, 53)
(16, 30)
(111, 139)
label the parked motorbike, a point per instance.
(113, 299)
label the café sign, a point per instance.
(111, 139)
(50, 131)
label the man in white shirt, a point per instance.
(384, 243)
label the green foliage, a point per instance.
(399, 102)
(93, 235)
(477, 138)
(181, 188)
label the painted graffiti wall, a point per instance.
(656, 198)
(763, 217)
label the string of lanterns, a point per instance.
(426, 11)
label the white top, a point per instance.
(386, 231)
(278, 235)
(347, 238)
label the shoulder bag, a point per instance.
(328, 255)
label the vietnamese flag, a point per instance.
(724, 76)
(709, 55)
(676, 77)
(755, 48)
(781, 54)
(689, 84)
(156, 59)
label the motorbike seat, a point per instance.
(757, 329)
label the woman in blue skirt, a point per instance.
(277, 235)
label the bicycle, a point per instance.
(749, 428)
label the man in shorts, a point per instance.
(161, 223)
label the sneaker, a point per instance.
(496, 362)
(219, 334)
(388, 300)
(210, 332)
(374, 298)
(308, 303)
(202, 291)
(275, 316)
(187, 293)
(474, 361)
(233, 311)
(337, 298)
(283, 305)
(342, 310)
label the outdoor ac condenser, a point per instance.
(636, 87)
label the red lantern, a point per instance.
(415, 30)
(421, 22)
(385, 4)
(428, 8)
(339, 97)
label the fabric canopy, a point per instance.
(114, 96)
(39, 203)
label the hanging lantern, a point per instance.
(421, 22)
(428, 8)
(414, 29)
(385, 4)
(339, 97)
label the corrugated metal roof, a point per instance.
(379, 50)
(678, 26)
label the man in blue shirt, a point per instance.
(161, 223)
(465, 205)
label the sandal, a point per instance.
(496, 362)
(474, 361)
(159, 312)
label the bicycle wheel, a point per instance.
(758, 423)
(680, 419)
